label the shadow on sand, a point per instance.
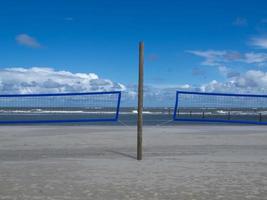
(122, 154)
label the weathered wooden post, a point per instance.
(140, 103)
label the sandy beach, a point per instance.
(94, 162)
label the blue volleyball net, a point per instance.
(55, 108)
(220, 107)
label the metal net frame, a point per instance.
(220, 107)
(61, 107)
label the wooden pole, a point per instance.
(140, 103)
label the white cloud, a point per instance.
(252, 81)
(255, 57)
(48, 80)
(26, 40)
(212, 57)
(260, 42)
(221, 58)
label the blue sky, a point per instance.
(195, 45)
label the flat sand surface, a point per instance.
(98, 162)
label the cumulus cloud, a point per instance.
(26, 40)
(48, 80)
(252, 81)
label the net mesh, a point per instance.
(59, 107)
(221, 107)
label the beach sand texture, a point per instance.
(185, 162)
